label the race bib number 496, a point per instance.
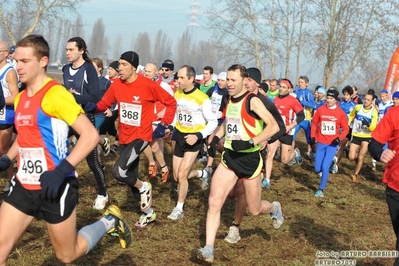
(31, 165)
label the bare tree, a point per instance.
(99, 43)
(162, 47)
(240, 26)
(184, 48)
(117, 47)
(348, 34)
(34, 11)
(142, 45)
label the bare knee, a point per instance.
(64, 258)
(254, 211)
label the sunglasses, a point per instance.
(165, 69)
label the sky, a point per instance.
(130, 17)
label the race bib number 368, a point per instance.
(130, 114)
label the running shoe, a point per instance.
(121, 229)
(319, 193)
(334, 169)
(152, 170)
(206, 176)
(277, 216)
(234, 235)
(146, 198)
(106, 146)
(145, 219)
(298, 156)
(100, 202)
(114, 148)
(292, 162)
(176, 214)
(165, 175)
(203, 255)
(266, 183)
(203, 160)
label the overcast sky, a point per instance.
(130, 17)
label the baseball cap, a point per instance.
(384, 91)
(395, 94)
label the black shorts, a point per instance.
(181, 145)
(359, 140)
(244, 165)
(286, 139)
(30, 202)
(5, 126)
(349, 135)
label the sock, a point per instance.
(108, 221)
(179, 205)
(202, 173)
(149, 211)
(209, 248)
(144, 187)
(93, 233)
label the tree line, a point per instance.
(341, 41)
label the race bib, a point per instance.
(3, 114)
(328, 128)
(233, 129)
(130, 114)
(186, 118)
(32, 163)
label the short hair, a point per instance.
(81, 44)
(347, 89)
(274, 80)
(241, 68)
(305, 78)
(354, 88)
(38, 43)
(190, 71)
(209, 68)
(99, 64)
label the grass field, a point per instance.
(349, 217)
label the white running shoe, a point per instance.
(233, 236)
(100, 202)
(176, 214)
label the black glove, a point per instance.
(5, 162)
(365, 122)
(52, 180)
(312, 141)
(212, 146)
(159, 131)
(240, 145)
(335, 141)
(90, 108)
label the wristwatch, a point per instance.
(251, 142)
